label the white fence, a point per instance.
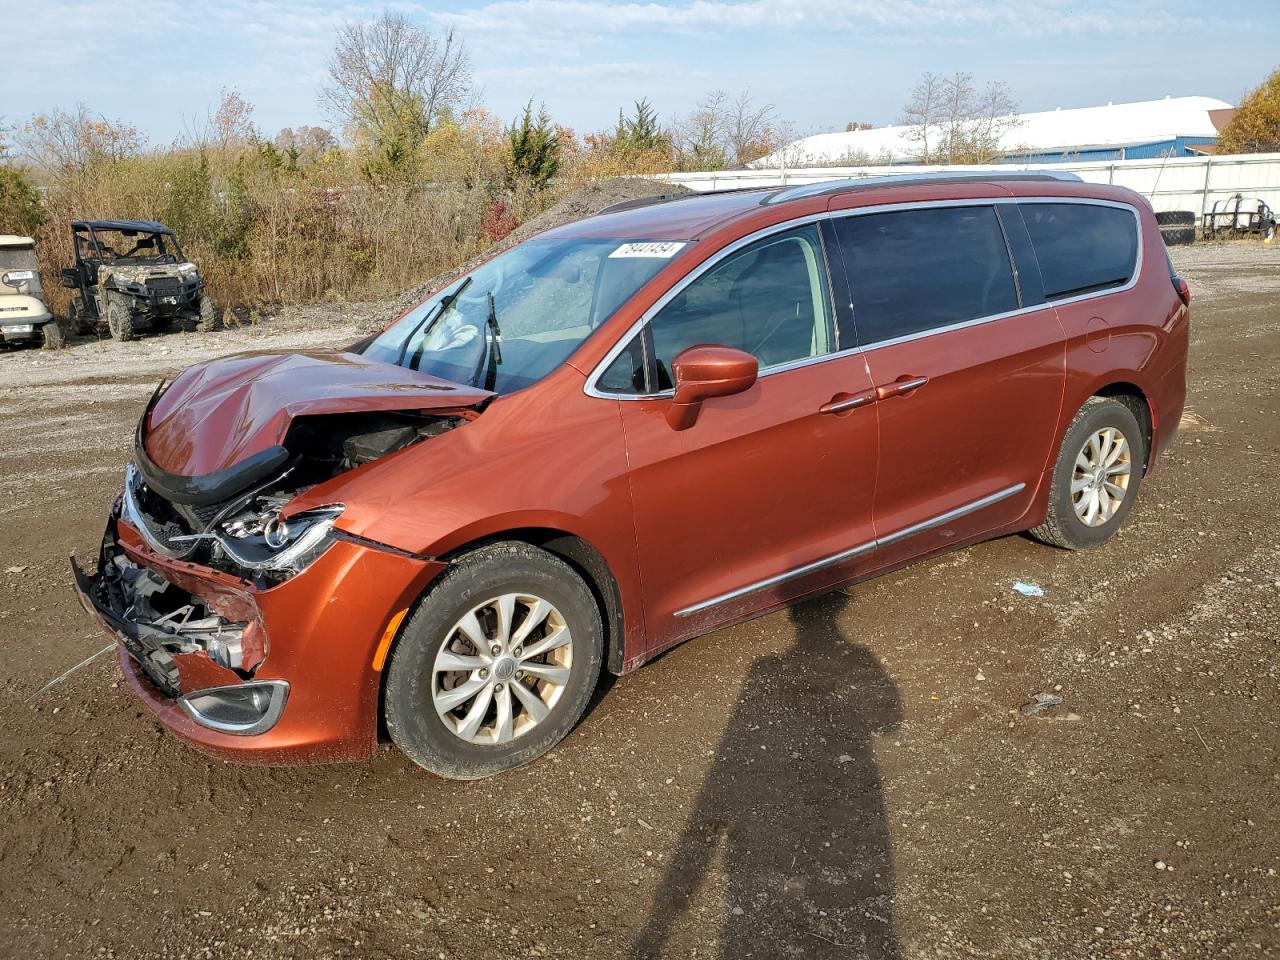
(1183, 183)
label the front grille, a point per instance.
(164, 286)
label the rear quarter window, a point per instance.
(1082, 248)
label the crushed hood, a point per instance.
(217, 414)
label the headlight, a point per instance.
(266, 542)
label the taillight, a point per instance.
(1184, 291)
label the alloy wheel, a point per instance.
(502, 668)
(1100, 480)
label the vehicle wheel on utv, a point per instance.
(53, 338)
(209, 319)
(1097, 476)
(495, 665)
(120, 318)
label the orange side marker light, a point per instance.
(384, 645)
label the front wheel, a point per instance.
(496, 665)
(120, 320)
(1096, 478)
(208, 321)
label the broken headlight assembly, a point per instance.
(262, 541)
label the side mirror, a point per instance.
(703, 372)
(70, 278)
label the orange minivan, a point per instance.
(625, 432)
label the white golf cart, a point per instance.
(24, 316)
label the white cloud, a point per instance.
(574, 18)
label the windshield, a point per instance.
(516, 318)
(18, 273)
(132, 246)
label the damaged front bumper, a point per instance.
(277, 673)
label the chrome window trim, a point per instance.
(590, 389)
(835, 558)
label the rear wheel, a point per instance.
(120, 318)
(53, 338)
(1097, 476)
(496, 665)
(79, 320)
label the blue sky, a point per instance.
(822, 62)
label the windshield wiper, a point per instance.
(491, 355)
(425, 325)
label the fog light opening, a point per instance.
(245, 709)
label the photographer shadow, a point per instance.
(794, 810)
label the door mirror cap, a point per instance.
(706, 371)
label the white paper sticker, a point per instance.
(650, 249)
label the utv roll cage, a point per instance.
(149, 242)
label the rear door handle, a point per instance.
(904, 384)
(844, 402)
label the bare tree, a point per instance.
(71, 143)
(748, 128)
(390, 72)
(950, 121)
(923, 114)
(699, 138)
(726, 131)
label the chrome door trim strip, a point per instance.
(835, 558)
(625, 339)
(779, 578)
(944, 518)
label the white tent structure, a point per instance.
(1173, 126)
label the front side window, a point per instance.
(769, 299)
(1082, 247)
(916, 270)
(517, 317)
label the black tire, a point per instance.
(52, 333)
(1176, 218)
(490, 571)
(79, 322)
(120, 319)
(1178, 236)
(210, 321)
(1062, 526)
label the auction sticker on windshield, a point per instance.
(653, 249)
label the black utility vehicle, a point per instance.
(134, 275)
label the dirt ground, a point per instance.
(849, 778)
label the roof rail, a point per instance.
(668, 197)
(907, 179)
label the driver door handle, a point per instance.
(903, 385)
(844, 402)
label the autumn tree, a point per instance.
(304, 145)
(391, 82)
(1255, 125)
(950, 120)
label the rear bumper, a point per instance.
(23, 328)
(309, 643)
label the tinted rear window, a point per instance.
(1082, 247)
(916, 270)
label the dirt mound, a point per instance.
(586, 202)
